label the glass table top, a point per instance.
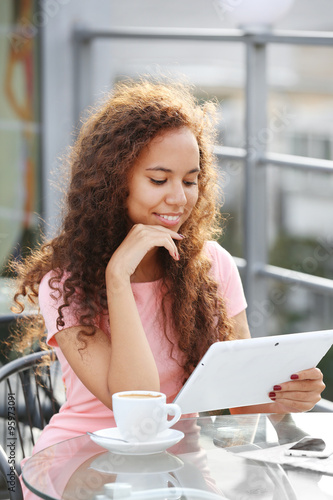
(228, 457)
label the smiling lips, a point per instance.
(169, 219)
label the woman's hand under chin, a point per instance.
(140, 240)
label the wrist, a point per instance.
(116, 280)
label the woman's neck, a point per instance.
(148, 269)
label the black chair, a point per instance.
(31, 393)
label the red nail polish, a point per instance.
(294, 376)
(181, 235)
(272, 395)
(277, 388)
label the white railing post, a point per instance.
(255, 203)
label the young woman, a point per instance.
(133, 290)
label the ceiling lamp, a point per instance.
(254, 15)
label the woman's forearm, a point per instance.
(132, 364)
(263, 408)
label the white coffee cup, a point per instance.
(141, 415)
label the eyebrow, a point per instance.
(163, 169)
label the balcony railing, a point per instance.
(255, 265)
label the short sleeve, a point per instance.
(49, 304)
(226, 274)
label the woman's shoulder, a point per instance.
(225, 272)
(59, 275)
(222, 262)
(216, 252)
(46, 287)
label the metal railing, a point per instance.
(255, 266)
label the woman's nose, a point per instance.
(176, 196)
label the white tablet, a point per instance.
(243, 372)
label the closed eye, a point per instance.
(192, 183)
(158, 182)
(163, 181)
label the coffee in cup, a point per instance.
(141, 415)
(139, 396)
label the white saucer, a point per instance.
(164, 440)
(111, 463)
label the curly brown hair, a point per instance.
(95, 220)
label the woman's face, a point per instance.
(163, 184)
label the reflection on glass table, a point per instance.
(206, 464)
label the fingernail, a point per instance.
(277, 388)
(176, 256)
(272, 395)
(294, 376)
(181, 235)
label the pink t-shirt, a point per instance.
(82, 411)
